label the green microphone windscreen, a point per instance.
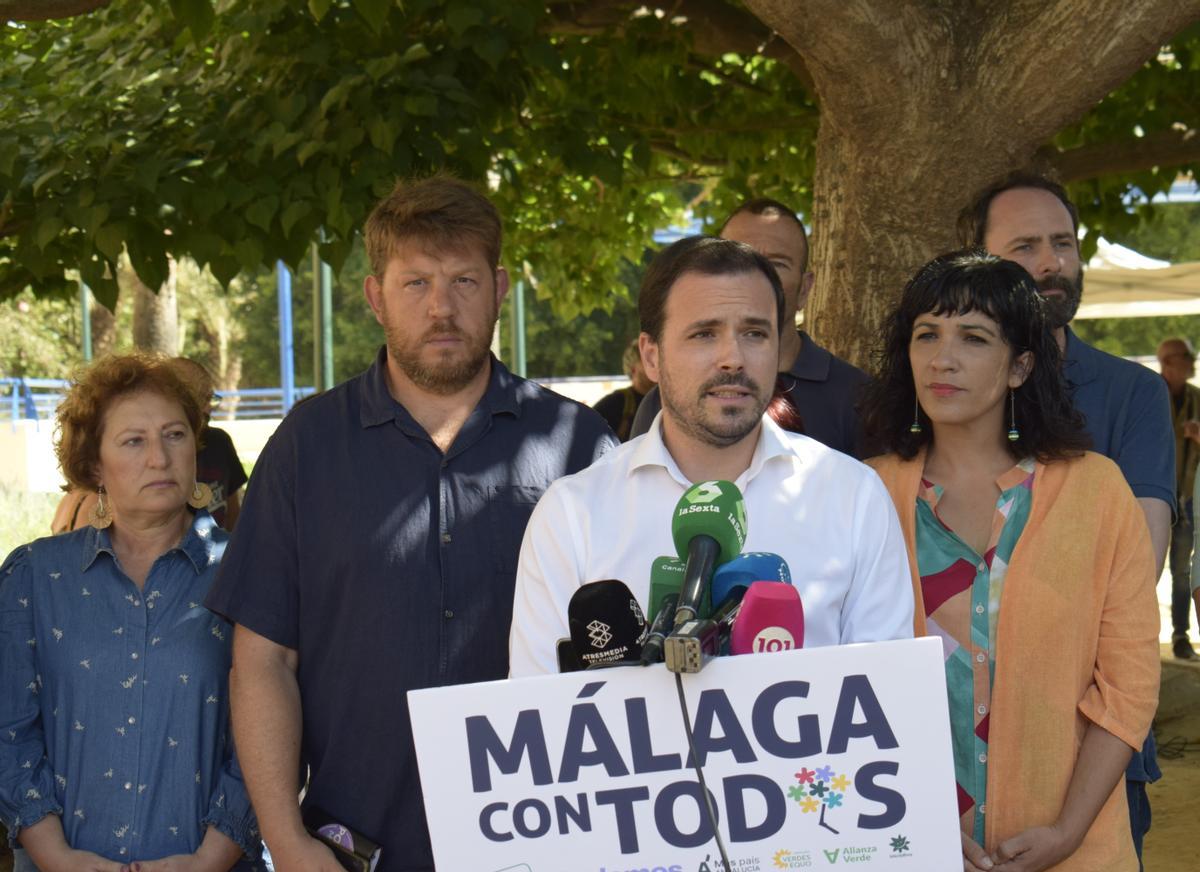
(666, 576)
(711, 508)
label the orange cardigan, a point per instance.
(1077, 641)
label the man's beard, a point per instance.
(1061, 310)
(729, 427)
(444, 376)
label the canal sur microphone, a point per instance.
(709, 529)
(747, 568)
(666, 576)
(607, 624)
(771, 619)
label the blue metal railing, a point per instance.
(36, 399)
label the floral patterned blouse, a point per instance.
(114, 709)
(962, 592)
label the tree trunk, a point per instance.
(104, 328)
(155, 316)
(921, 106)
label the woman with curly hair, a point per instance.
(115, 751)
(1030, 560)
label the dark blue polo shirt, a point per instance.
(824, 389)
(389, 566)
(1127, 412)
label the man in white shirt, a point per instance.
(710, 313)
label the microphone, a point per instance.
(607, 624)
(568, 661)
(652, 649)
(666, 576)
(696, 642)
(771, 619)
(745, 569)
(708, 528)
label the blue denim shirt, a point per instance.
(114, 708)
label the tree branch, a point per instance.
(44, 10)
(1166, 148)
(716, 28)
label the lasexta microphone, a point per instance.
(607, 624)
(745, 569)
(771, 619)
(708, 528)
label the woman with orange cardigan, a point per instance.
(1030, 560)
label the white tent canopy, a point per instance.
(1120, 283)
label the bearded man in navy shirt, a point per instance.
(377, 549)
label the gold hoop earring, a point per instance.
(201, 496)
(101, 515)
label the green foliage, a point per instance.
(229, 131)
(39, 338)
(27, 516)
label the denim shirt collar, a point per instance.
(378, 406)
(198, 544)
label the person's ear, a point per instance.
(1022, 366)
(373, 291)
(806, 285)
(502, 285)
(648, 350)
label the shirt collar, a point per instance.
(1079, 361)
(198, 543)
(813, 361)
(378, 406)
(650, 450)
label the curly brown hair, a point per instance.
(94, 388)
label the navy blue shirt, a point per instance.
(390, 567)
(1127, 413)
(824, 389)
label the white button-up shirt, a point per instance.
(825, 513)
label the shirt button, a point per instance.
(983, 758)
(133, 656)
(137, 602)
(132, 720)
(979, 609)
(445, 538)
(982, 567)
(982, 709)
(150, 604)
(983, 808)
(449, 613)
(128, 786)
(980, 657)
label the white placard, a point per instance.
(816, 759)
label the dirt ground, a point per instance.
(1173, 844)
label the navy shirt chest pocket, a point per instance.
(508, 511)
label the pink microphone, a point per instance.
(771, 619)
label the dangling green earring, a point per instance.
(915, 429)
(1013, 433)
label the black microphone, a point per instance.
(607, 624)
(664, 620)
(708, 528)
(568, 660)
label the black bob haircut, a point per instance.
(706, 255)
(971, 280)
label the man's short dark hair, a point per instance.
(972, 221)
(771, 208)
(706, 255)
